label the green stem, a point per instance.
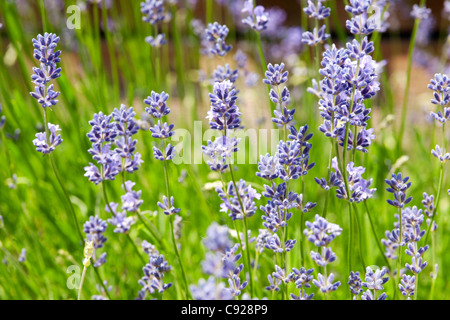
(105, 198)
(263, 65)
(83, 275)
(209, 11)
(327, 195)
(358, 226)
(438, 198)
(244, 218)
(350, 238)
(172, 231)
(136, 249)
(399, 261)
(99, 278)
(72, 210)
(375, 237)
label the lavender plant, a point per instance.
(317, 11)
(350, 81)
(157, 108)
(290, 163)
(237, 199)
(45, 52)
(322, 233)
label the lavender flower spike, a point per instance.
(46, 144)
(257, 18)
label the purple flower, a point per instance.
(215, 34)
(153, 11)
(275, 75)
(317, 10)
(321, 232)
(398, 186)
(440, 154)
(158, 41)
(119, 219)
(421, 13)
(23, 255)
(158, 104)
(100, 260)
(48, 144)
(94, 229)
(268, 167)
(326, 285)
(327, 257)
(358, 7)
(164, 155)
(169, 209)
(316, 36)
(441, 89)
(224, 114)
(302, 277)
(225, 73)
(274, 284)
(231, 203)
(131, 201)
(407, 285)
(355, 283)
(210, 290)
(44, 52)
(154, 273)
(218, 152)
(44, 49)
(368, 295)
(217, 238)
(257, 18)
(375, 280)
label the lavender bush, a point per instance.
(224, 150)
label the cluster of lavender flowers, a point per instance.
(220, 263)
(213, 40)
(257, 18)
(154, 272)
(94, 229)
(102, 290)
(300, 277)
(45, 52)
(322, 233)
(316, 10)
(108, 131)
(350, 78)
(104, 135)
(345, 87)
(359, 188)
(374, 281)
(440, 86)
(153, 11)
(290, 163)
(291, 160)
(398, 186)
(223, 115)
(157, 108)
(407, 232)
